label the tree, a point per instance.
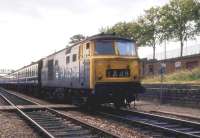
(76, 38)
(129, 30)
(197, 17)
(144, 31)
(120, 29)
(150, 30)
(106, 30)
(179, 20)
(135, 32)
(164, 24)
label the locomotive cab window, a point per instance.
(74, 57)
(104, 47)
(125, 48)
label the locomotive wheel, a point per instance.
(118, 104)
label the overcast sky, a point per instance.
(32, 29)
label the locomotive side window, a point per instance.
(104, 47)
(32, 72)
(68, 50)
(67, 59)
(26, 75)
(28, 72)
(74, 57)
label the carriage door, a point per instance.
(50, 69)
(84, 53)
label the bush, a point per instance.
(183, 76)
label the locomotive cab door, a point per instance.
(84, 53)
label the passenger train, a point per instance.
(100, 69)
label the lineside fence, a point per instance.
(174, 94)
(187, 50)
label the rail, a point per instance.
(167, 125)
(51, 123)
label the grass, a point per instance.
(182, 76)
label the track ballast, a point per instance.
(166, 125)
(51, 123)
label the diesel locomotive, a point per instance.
(100, 69)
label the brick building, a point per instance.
(152, 67)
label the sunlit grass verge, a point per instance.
(182, 76)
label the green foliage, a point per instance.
(177, 20)
(150, 28)
(150, 25)
(129, 30)
(197, 17)
(183, 76)
(76, 38)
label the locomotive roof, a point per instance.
(106, 36)
(94, 37)
(101, 36)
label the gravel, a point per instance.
(34, 99)
(3, 102)
(192, 114)
(12, 126)
(115, 127)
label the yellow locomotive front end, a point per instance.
(115, 70)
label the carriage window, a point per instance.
(104, 47)
(56, 62)
(67, 59)
(74, 57)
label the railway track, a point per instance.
(175, 115)
(16, 100)
(170, 126)
(51, 123)
(3, 101)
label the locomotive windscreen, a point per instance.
(115, 47)
(125, 48)
(104, 47)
